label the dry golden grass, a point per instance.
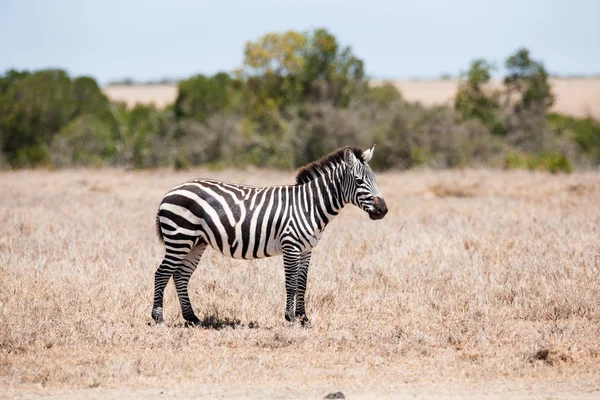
(579, 97)
(476, 284)
(159, 94)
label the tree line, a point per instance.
(297, 96)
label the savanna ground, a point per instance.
(477, 284)
(578, 97)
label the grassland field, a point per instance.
(477, 284)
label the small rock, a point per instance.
(336, 395)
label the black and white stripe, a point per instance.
(246, 222)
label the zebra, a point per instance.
(249, 222)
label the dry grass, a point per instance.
(160, 95)
(477, 283)
(577, 97)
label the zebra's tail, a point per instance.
(158, 231)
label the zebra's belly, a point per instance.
(250, 251)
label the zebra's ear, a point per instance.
(368, 154)
(349, 157)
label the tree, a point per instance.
(528, 80)
(142, 129)
(273, 66)
(277, 54)
(383, 95)
(36, 106)
(529, 95)
(330, 73)
(90, 100)
(85, 141)
(473, 101)
(293, 67)
(32, 109)
(10, 78)
(200, 96)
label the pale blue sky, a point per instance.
(148, 39)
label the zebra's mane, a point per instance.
(316, 168)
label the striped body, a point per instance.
(247, 222)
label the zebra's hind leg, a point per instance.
(302, 278)
(182, 278)
(161, 277)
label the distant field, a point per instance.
(578, 96)
(477, 284)
(160, 95)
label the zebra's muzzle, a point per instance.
(379, 209)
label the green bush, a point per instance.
(585, 132)
(555, 162)
(199, 97)
(414, 135)
(36, 155)
(85, 141)
(322, 129)
(143, 136)
(551, 162)
(383, 95)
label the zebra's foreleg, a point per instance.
(182, 278)
(302, 279)
(291, 261)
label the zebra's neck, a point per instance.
(326, 194)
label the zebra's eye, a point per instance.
(359, 181)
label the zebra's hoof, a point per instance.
(157, 315)
(193, 322)
(305, 322)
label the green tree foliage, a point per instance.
(473, 101)
(584, 131)
(200, 96)
(31, 111)
(297, 97)
(552, 162)
(284, 70)
(34, 107)
(432, 136)
(10, 78)
(321, 127)
(383, 96)
(85, 141)
(143, 133)
(528, 80)
(293, 67)
(90, 100)
(273, 68)
(277, 54)
(528, 98)
(331, 73)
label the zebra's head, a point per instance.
(361, 188)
